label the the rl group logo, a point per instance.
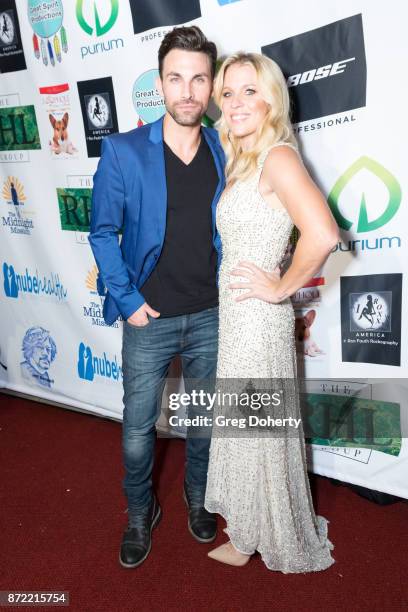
(75, 208)
(19, 129)
(91, 365)
(39, 352)
(358, 204)
(371, 318)
(325, 68)
(98, 21)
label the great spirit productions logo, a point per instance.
(147, 15)
(148, 102)
(50, 37)
(11, 50)
(18, 219)
(97, 23)
(325, 70)
(358, 204)
(371, 318)
(98, 112)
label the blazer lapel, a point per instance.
(156, 176)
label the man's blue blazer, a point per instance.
(130, 195)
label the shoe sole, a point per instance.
(201, 540)
(154, 524)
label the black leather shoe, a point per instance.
(137, 539)
(201, 524)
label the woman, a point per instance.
(259, 484)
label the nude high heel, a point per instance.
(227, 553)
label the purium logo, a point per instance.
(365, 221)
(94, 25)
(99, 29)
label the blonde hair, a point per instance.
(276, 126)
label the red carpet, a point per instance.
(63, 512)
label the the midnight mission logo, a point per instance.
(325, 70)
(18, 219)
(93, 310)
(371, 318)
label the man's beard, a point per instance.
(186, 118)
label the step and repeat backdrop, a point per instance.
(75, 71)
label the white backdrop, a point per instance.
(56, 59)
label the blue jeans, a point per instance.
(146, 355)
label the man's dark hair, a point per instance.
(189, 39)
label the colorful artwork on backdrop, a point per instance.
(50, 37)
(11, 49)
(56, 103)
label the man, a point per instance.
(160, 184)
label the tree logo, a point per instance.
(364, 224)
(99, 29)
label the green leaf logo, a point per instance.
(391, 183)
(100, 29)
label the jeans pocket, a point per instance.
(139, 327)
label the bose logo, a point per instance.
(318, 73)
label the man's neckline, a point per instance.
(179, 158)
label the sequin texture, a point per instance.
(260, 484)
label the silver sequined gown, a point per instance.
(259, 484)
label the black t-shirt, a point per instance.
(184, 279)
